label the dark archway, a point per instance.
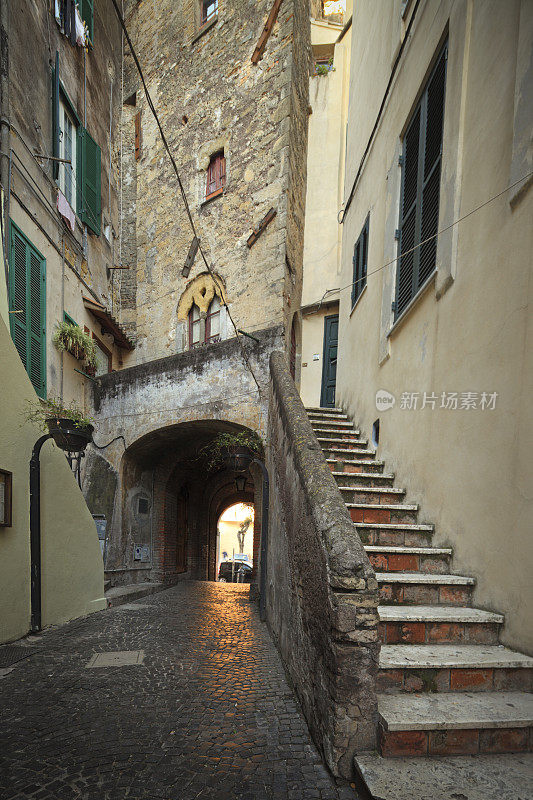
(165, 475)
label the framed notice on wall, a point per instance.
(5, 497)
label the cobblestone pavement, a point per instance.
(207, 714)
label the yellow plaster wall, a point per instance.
(469, 470)
(72, 568)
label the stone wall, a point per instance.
(322, 591)
(210, 97)
(166, 410)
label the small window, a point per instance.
(421, 167)
(208, 11)
(212, 322)
(194, 326)
(216, 176)
(360, 258)
(68, 133)
(143, 506)
(104, 362)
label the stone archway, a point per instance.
(183, 499)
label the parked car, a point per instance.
(242, 572)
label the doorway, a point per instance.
(329, 366)
(235, 544)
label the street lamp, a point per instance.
(240, 482)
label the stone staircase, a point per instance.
(446, 687)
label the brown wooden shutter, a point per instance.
(138, 136)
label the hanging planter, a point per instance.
(69, 427)
(71, 338)
(233, 450)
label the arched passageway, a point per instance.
(172, 499)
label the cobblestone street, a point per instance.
(205, 713)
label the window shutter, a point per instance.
(55, 118)
(87, 15)
(137, 136)
(419, 216)
(91, 199)
(28, 299)
(359, 262)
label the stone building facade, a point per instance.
(213, 100)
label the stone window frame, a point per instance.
(200, 292)
(205, 154)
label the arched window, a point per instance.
(212, 322)
(204, 327)
(195, 333)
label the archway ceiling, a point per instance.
(184, 438)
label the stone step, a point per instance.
(336, 435)
(348, 445)
(437, 625)
(337, 453)
(480, 777)
(332, 424)
(386, 513)
(361, 480)
(383, 494)
(398, 533)
(453, 668)
(411, 559)
(453, 723)
(119, 595)
(357, 466)
(424, 589)
(338, 412)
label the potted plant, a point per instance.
(70, 337)
(236, 450)
(70, 428)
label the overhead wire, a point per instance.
(429, 239)
(215, 277)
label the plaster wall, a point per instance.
(72, 568)
(471, 330)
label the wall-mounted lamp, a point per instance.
(240, 482)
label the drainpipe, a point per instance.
(5, 144)
(264, 541)
(35, 532)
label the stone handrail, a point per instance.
(323, 594)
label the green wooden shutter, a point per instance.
(90, 207)
(55, 117)
(87, 15)
(27, 297)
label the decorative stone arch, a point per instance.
(200, 291)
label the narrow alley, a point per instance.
(204, 710)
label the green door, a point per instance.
(329, 361)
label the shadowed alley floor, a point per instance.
(204, 711)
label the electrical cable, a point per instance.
(433, 236)
(376, 123)
(215, 277)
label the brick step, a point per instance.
(361, 480)
(360, 490)
(424, 589)
(340, 425)
(438, 625)
(333, 435)
(409, 559)
(453, 668)
(337, 412)
(396, 533)
(348, 445)
(357, 466)
(455, 723)
(348, 454)
(376, 513)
